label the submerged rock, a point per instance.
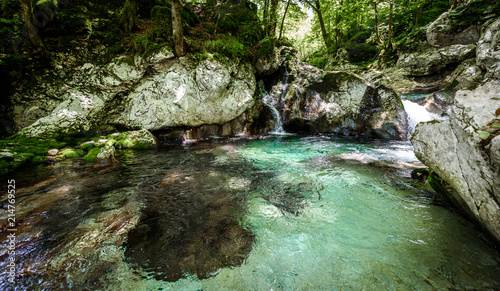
(455, 151)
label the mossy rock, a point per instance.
(439, 186)
(91, 155)
(71, 153)
(86, 146)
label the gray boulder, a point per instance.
(454, 150)
(488, 50)
(444, 31)
(434, 60)
(186, 94)
(339, 102)
(466, 75)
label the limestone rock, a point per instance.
(339, 102)
(138, 139)
(488, 50)
(209, 93)
(443, 32)
(268, 65)
(466, 75)
(59, 122)
(434, 60)
(452, 149)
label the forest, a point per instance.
(368, 30)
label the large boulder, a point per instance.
(133, 92)
(187, 94)
(338, 102)
(488, 50)
(456, 149)
(445, 32)
(434, 60)
(466, 75)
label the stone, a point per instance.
(139, 139)
(59, 122)
(101, 156)
(338, 102)
(208, 93)
(443, 32)
(453, 149)
(269, 64)
(488, 50)
(466, 75)
(434, 60)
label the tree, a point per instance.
(177, 36)
(316, 6)
(129, 14)
(284, 16)
(28, 17)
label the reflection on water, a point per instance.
(282, 213)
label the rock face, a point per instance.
(466, 75)
(443, 32)
(433, 60)
(190, 95)
(488, 50)
(132, 92)
(454, 150)
(339, 102)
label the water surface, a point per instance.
(275, 213)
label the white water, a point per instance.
(417, 114)
(274, 100)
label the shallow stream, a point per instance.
(276, 213)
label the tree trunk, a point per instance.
(177, 37)
(389, 32)
(273, 18)
(265, 16)
(377, 35)
(27, 14)
(322, 24)
(283, 20)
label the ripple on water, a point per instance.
(283, 213)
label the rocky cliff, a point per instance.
(464, 150)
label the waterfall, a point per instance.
(417, 113)
(274, 100)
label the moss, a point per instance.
(91, 155)
(71, 153)
(437, 184)
(87, 146)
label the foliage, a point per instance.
(228, 46)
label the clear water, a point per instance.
(277, 213)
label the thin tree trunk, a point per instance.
(265, 17)
(27, 14)
(389, 32)
(377, 35)
(322, 24)
(283, 20)
(273, 18)
(177, 37)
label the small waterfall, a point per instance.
(274, 100)
(417, 113)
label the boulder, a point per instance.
(488, 50)
(138, 139)
(444, 31)
(59, 122)
(434, 60)
(466, 75)
(210, 92)
(338, 102)
(456, 152)
(270, 63)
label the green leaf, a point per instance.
(484, 134)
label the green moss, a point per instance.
(87, 146)
(71, 153)
(437, 184)
(92, 154)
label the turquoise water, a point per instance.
(276, 213)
